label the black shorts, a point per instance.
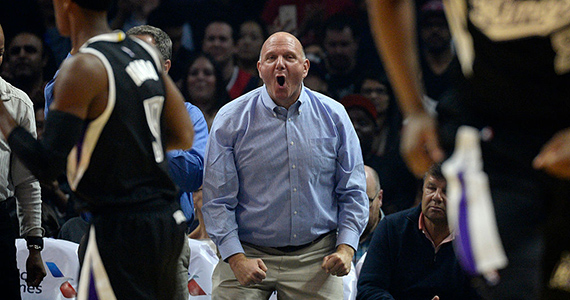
(132, 254)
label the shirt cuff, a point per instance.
(229, 247)
(348, 237)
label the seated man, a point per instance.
(374, 193)
(411, 255)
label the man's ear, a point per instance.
(306, 66)
(167, 65)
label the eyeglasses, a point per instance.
(373, 198)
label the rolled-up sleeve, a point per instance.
(26, 186)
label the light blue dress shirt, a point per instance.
(186, 167)
(276, 177)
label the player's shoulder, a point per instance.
(81, 66)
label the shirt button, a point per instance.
(294, 189)
(293, 166)
(289, 119)
(295, 212)
(275, 115)
(294, 235)
(292, 143)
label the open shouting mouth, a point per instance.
(281, 80)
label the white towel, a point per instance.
(470, 210)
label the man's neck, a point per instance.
(437, 232)
(87, 25)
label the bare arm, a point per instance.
(554, 157)
(393, 25)
(179, 129)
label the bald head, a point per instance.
(372, 181)
(279, 37)
(375, 195)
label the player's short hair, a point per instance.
(162, 41)
(98, 5)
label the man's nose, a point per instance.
(280, 63)
(439, 195)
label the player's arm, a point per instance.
(554, 157)
(179, 130)
(393, 25)
(76, 99)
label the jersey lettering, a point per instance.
(153, 110)
(140, 71)
(503, 20)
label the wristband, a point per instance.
(36, 243)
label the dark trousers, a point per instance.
(9, 273)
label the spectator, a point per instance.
(377, 88)
(411, 255)
(340, 43)
(18, 185)
(441, 72)
(219, 43)
(203, 86)
(252, 34)
(269, 168)
(374, 193)
(27, 58)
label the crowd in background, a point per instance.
(216, 47)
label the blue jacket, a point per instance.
(402, 264)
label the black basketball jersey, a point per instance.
(121, 158)
(516, 56)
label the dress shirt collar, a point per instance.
(422, 226)
(274, 108)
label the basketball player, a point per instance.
(114, 116)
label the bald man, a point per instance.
(375, 194)
(284, 186)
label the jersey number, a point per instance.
(153, 110)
